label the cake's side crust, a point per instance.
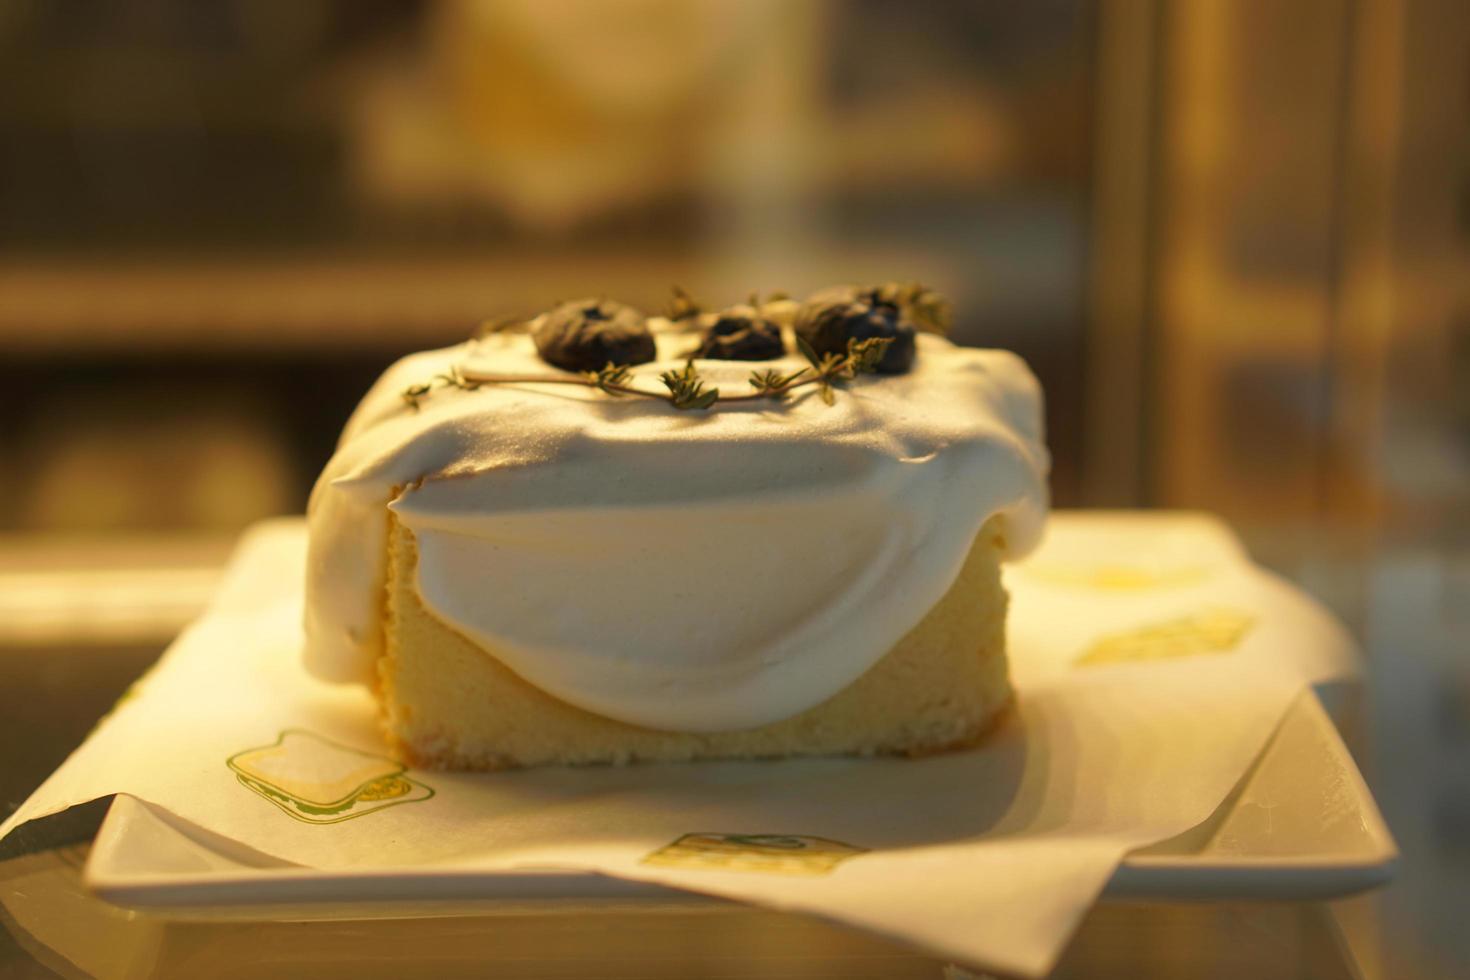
(449, 704)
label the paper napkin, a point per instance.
(1152, 663)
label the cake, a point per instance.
(598, 537)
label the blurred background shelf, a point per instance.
(320, 305)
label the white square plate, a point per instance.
(1301, 825)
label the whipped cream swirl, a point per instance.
(685, 571)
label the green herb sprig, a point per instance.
(928, 310)
(612, 379)
(453, 378)
(683, 306)
(685, 387)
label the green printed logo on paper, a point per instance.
(318, 781)
(1211, 631)
(787, 854)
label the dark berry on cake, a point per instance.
(832, 317)
(588, 335)
(741, 333)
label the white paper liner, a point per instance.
(1152, 663)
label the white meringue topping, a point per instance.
(687, 571)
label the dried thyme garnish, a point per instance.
(686, 389)
(453, 378)
(612, 379)
(927, 309)
(683, 307)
